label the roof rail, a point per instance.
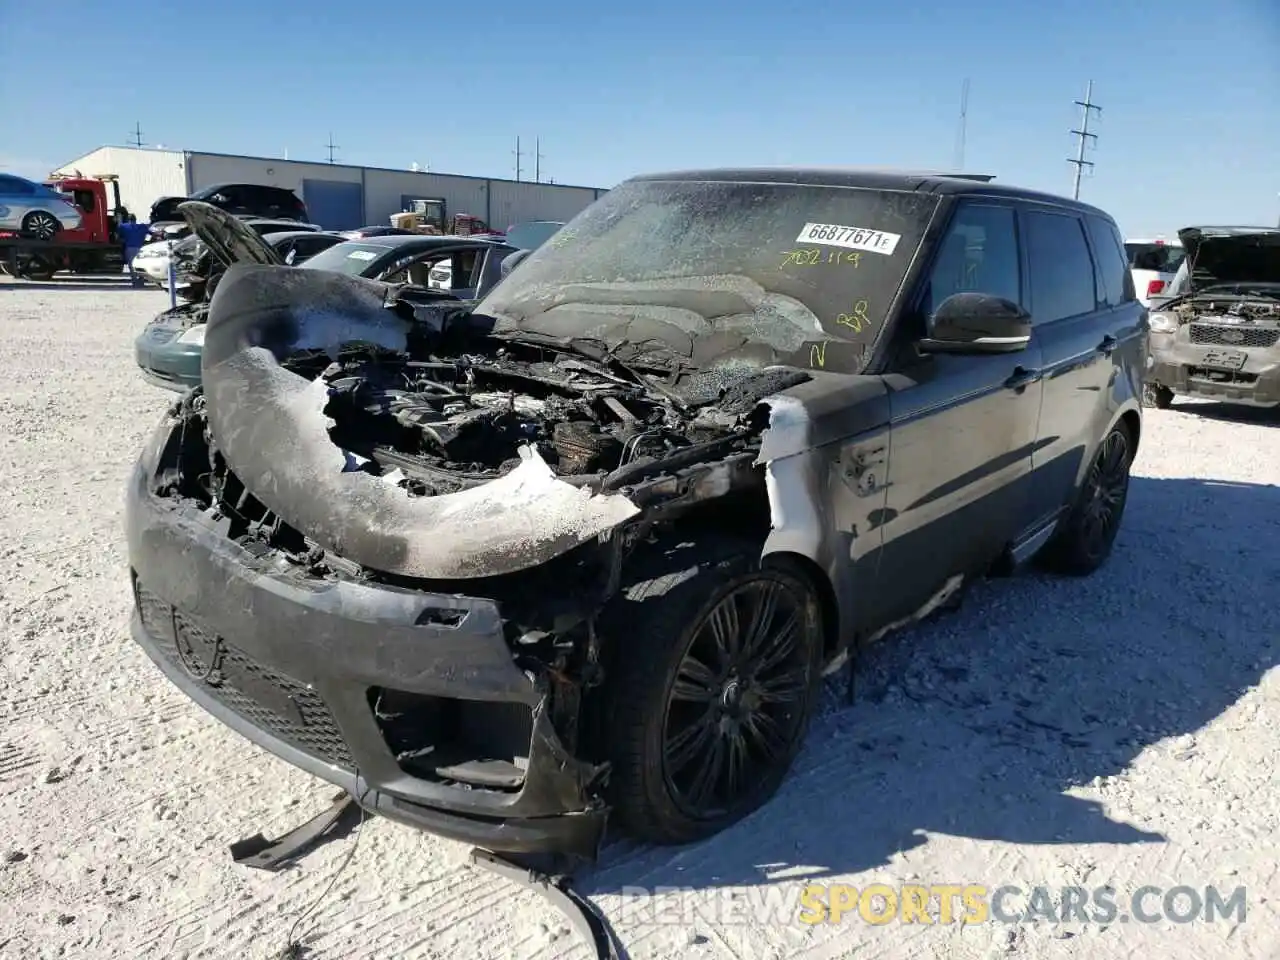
(982, 177)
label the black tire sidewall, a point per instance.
(639, 692)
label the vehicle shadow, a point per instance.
(1231, 413)
(79, 283)
(974, 724)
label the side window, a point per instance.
(12, 186)
(310, 246)
(1062, 281)
(1112, 268)
(979, 254)
(463, 269)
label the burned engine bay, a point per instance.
(427, 454)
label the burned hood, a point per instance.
(228, 239)
(270, 425)
(1227, 255)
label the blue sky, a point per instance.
(1190, 89)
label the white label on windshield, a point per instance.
(851, 238)
(361, 255)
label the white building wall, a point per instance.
(512, 202)
(210, 168)
(145, 175)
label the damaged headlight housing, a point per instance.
(1163, 323)
(194, 335)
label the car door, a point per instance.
(1068, 307)
(961, 429)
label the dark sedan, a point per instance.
(168, 351)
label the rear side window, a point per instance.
(15, 187)
(1160, 257)
(1113, 269)
(1062, 280)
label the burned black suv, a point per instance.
(591, 546)
(1218, 335)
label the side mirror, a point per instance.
(977, 323)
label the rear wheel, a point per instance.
(41, 225)
(1089, 529)
(1154, 395)
(715, 668)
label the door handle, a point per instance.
(1108, 345)
(1021, 378)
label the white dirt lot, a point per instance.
(1121, 730)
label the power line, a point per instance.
(1085, 136)
(136, 136)
(964, 120)
(332, 147)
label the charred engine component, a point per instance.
(582, 448)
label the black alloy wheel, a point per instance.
(41, 225)
(1088, 532)
(736, 705)
(713, 670)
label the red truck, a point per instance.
(93, 247)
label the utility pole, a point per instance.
(518, 156)
(964, 120)
(136, 136)
(332, 147)
(1083, 133)
(537, 160)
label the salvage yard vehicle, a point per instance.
(242, 199)
(196, 266)
(168, 349)
(1219, 338)
(588, 550)
(68, 223)
(34, 209)
(1153, 263)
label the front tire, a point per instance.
(1154, 395)
(1089, 529)
(715, 670)
(41, 225)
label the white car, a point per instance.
(1153, 264)
(441, 276)
(152, 262)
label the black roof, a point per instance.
(215, 187)
(926, 181)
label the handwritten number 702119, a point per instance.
(812, 256)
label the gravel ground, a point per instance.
(1119, 730)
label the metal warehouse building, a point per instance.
(338, 196)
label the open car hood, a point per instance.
(271, 425)
(1225, 255)
(227, 238)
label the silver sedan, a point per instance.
(33, 209)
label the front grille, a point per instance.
(270, 700)
(1235, 335)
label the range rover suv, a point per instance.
(588, 549)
